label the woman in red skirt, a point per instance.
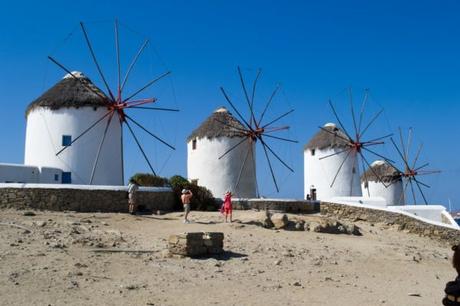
(227, 206)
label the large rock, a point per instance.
(279, 220)
(335, 227)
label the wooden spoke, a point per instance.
(133, 62)
(236, 110)
(233, 147)
(274, 154)
(379, 155)
(377, 139)
(340, 168)
(117, 48)
(338, 120)
(379, 178)
(353, 112)
(334, 154)
(278, 118)
(270, 166)
(281, 138)
(336, 134)
(140, 148)
(93, 55)
(84, 132)
(268, 104)
(421, 192)
(371, 122)
(147, 85)
(93, 171)
(79, 80)
(243, 85)
(150, 133)
(361, 113)
(154, 108)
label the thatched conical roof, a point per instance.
(381, 170)
(213, 127)
(69, 92)
(323, 139)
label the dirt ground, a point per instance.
(55, 259)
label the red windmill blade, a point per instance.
(412, 170)
(356, 146)
(118, 104)
(255, 131)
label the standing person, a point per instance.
(133, 187)
(452, 290)
(227, 206)
(185, 197)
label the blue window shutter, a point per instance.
(66, 140)
(66, 177)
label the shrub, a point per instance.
(202, 197)
(150, 180)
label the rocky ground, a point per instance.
(50, 258)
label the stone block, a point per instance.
(196, 244)
(279, 220)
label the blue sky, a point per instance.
(406, 53)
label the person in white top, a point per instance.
(133, 187)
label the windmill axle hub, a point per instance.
(357, 146)
(255, 133)
(410, 173)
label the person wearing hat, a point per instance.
(452, 290)
(227, 206)
(185, 197)
(133, 187)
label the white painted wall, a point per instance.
(366, 201)
(320, 173)
(50, 175)
(430, 212)
(45, 128)
(221, 175)
(393, 194)
(15, 173)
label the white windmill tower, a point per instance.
(329, 168)
(334, 155)
(218, 134)
(57, 117)
(383, 180)
(78, 128)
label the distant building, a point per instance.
(236, 171)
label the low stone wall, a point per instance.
(82, 200)
(288, 206)
(407, 223)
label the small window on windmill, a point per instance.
(66, 140)
(56, 177)
(353, 170)
(194, 182)
(312, 152)
(194, 144)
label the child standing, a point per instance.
(452, 290)
(227, 206)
